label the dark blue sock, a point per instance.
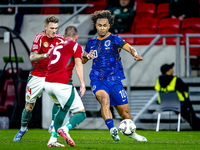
(109, 123)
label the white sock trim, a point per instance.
(23, 128)
(52, 122)
(53, 139)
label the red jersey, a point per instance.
(42, 44)
(62, 61)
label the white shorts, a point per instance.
(34, 88)
(61, 93)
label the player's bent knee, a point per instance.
(84, 115)
(81, 116)
(83, 110)
(105, 103)
(29, 108)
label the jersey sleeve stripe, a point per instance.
(75, 47)
(37, 37)
(40, 43)
(125, 45)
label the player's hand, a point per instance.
(50, 50)
(90, 55)
(138, 58)
(82, 89)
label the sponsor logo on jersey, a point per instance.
(46, 44)
(35, 46)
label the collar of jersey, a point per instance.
(46, 34)
(104, 37)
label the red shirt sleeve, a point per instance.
(36, 43)
(79, 52)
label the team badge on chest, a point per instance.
(46, 44)
(107, 43)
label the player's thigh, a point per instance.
(60, 93)
(118, 94)
(101, 92)
(49, 88)
(34, 88)
(103, 97)
(77, 104)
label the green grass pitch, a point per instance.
(36, 139)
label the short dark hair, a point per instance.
(70, 31)
(51, 19)
(102, 14)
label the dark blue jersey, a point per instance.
(106, 64)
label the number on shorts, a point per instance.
(123, 93)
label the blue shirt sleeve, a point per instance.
(87, 47)
(119, 41)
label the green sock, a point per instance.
(76, 119)
(59, 117)
(54, 134)
(54, 111)
(69, 126)
(26, 117)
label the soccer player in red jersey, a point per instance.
(43, 43)
(59, 86)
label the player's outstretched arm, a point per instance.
(34, 56)
(133, 52)
(80, 74)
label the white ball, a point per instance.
(127, 127)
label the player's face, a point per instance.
(51, 29)
(124, 3)
(102, 26)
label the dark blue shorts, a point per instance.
(114, 89)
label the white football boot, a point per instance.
(54, 144)
(114, 134)
(138, 137)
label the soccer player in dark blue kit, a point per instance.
(107, 71)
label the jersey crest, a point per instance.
(46, 44)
